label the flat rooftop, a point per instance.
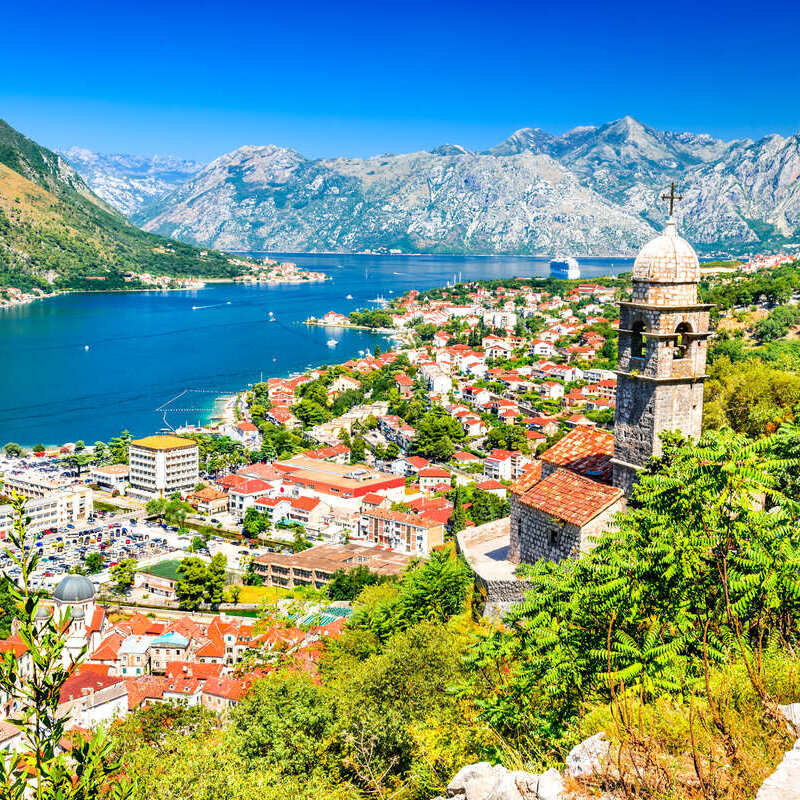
(330, 557)
(164, 442)
(486, 550)
(343, 476)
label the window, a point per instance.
(554, 537)
(682, 340)
(637, 340)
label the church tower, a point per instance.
(663, 335)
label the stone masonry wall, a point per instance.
(543, 536)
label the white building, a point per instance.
(110, 476)
(70, 505)
(161, 465)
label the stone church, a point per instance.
(558, 507)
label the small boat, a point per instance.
(86, 347)
(332, 342)
(349, 297)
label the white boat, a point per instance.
(332, 342)
(565, 269)
(379, 300)
(349, 297)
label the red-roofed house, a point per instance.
(430, 477)
(222, 694)
(560, 516)
(90, 699)
(309, 512)
(244, 495)
(492, 486)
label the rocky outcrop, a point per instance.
(484, 781)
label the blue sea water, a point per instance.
(88, 365)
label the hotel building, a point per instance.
(161, 465)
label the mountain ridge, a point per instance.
(593, 190)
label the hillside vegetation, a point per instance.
(55, 233)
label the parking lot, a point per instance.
(115, 537)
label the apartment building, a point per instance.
(56, 509)
(161, 465)
(405, 533)
(316, 567)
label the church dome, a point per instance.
(667, 259)
(74, 589)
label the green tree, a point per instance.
(13, 450)
(346, 584)
(434, 590)
(357, 450)
(122, 575)
(215, 580)
(255, 522)
(80, 445)
(235, 592)
(191, 588)
(436, 433)
(284, 722)
(93, 563)
(38, 448)
(118, 448)
(458, 519)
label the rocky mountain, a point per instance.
(56, 233)
(129, 183)
(454, 202)
(591, 191)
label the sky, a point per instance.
(198, 79)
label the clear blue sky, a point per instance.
(200, 78)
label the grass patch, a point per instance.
(727, 733)
(102, 506)
(263, 594)
(164, 569)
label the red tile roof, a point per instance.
(489, 484)
(79, 684)
(531, 474)
(197, 670)
(144, 687)
(228, 688)
(570, 497)
(305, 503)
(586, 450)
(13, 645)
(108, 649)
(434, 472)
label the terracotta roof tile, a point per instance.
(586, 450)
(570, 497)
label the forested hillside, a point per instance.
(55, 233)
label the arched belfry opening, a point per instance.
(682, 341)
(637, 340)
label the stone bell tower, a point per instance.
(663, 333)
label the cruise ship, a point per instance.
(565, 269)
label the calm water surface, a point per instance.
(146, 347)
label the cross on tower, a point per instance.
(672, 197)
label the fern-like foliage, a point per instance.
(705, 559)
